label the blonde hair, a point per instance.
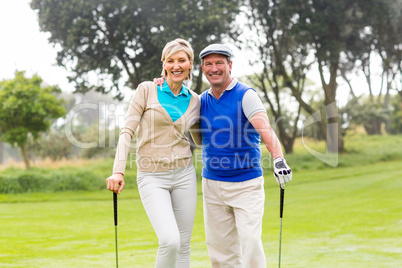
(174, 47)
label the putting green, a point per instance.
(333, 217)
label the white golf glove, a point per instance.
(282, 172)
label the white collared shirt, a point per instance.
(251, 102)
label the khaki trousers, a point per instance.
(233, 213)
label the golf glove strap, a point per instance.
(282, 172)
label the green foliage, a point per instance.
(124, 38)
(386, 35)
(38, 180)
(91, 118)
(53, 144)
(68, 178)
(106, 141)
(364, 111)
(26, 107)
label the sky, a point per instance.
(24, 48)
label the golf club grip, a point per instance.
(115, 208)
(281, 203)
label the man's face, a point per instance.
(217, 70)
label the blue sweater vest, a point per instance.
(230, 144)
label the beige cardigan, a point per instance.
(161, 143)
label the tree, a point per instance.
(27, 108)
(387, 31)
(276, 48)
(363, 111)
(121, 41)
(285, 121)
(331, 29)
(381, 36)
(52, 144)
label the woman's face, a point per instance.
(177, 67)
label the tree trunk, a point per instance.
(284, 138)
(334, 134)
(198, 84)
(25, 157)
(1, 152)
(288, 146)
(343, 74)
(373, 127)
(386, 105)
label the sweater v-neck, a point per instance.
(217, 101)
(225, 91)
(166, 112)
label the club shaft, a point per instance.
(281, 203)
(280, 242)
(117, 253)
(115, 208)
(282, 197)
(115, 227)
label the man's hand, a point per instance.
(282, 172)
(159, 81)
(115, 183)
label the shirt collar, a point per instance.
(230, 86)
(165, 88)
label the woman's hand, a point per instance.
(115, 183)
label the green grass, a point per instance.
(348, 216)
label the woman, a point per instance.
(165, 174)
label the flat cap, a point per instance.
(216, 49)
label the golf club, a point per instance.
(282, 196)
(115, 226)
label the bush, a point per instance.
(9, 185)
(362, 150)
(53, 181)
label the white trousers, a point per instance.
(169, 199)
(233, 213)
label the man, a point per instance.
(233, 120)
